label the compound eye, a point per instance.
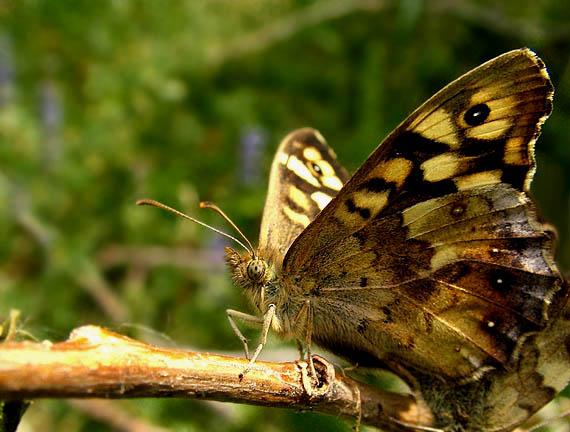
(256, 269)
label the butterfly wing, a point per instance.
(542, 370)
(305, 176)
(434, 241)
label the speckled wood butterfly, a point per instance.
(431, 260)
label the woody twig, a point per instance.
(97, 363)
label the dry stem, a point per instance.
(95, 362)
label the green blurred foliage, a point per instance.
(103, 103)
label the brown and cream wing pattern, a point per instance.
(434, 240)
(305, 176)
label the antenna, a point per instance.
(202, 205)
(212, 206)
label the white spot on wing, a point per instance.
(282, 158)
(312, 154)
(299, 168)
(321, 199)
(332, 182)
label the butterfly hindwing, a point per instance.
(540, 372)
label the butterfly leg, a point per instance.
(267, 319)
(306, 315)
(308, 338)
(11, 326)
(246, 318)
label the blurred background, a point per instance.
(103, 103)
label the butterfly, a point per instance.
(431, 260)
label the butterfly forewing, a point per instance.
(305, 176)
(434, 240)
(444, 147)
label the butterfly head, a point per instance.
(252, 274)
